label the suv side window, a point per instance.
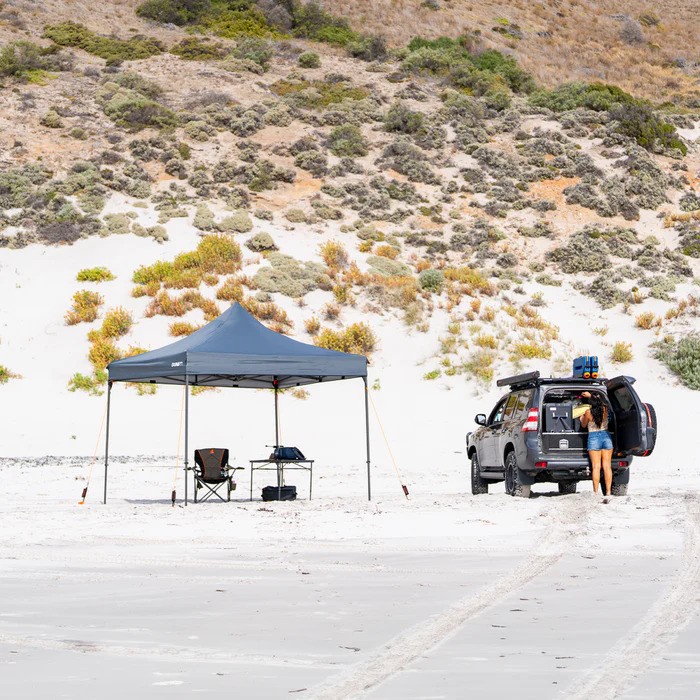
(510, 407)
(497, 414)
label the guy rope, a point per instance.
(94, 459)
(391, 454)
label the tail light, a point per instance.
(541, 465)
(623, 464)
(533, 417)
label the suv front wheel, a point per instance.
(514, 486)
(479, 485)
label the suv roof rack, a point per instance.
(518, 379)
(534, 378)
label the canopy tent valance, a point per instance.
(236, 350)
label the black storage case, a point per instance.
(558, 417)
(283, 493)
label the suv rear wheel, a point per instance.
(619, 489)
(567, 486)
(514, 487)
(479, 485)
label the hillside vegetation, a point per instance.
(445, 176)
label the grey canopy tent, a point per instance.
(236, 350)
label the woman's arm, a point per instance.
(585, 418)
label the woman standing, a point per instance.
(600, 446)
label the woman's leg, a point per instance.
(595, 468)
(607, 469)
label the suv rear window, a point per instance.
(522, 403)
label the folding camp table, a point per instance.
(278, 465)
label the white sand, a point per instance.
(443, 596)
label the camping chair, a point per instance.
(212, 471)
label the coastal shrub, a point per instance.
(199, 49)
(239, 222)
(347, 140)
(289, 276)
(6, 375)
(471, 280)
(357, 338)
(369, 48)
(581, 254)
(135, 81)
(311, 21)
(133, 110)
(225, 18)
(255, 49)
(387, 268)
(682, 357)
(402, 119)
(598, 97)
(640, 122)
(91, 383)
(116, 323)
(182, 328)
(94, 274)
(85, 307)
(312, 326)
(431, 280)
(178, 12)
(309, 59)
(165, 305)
(261, 243)
(317, 94)
(231, 290)
(111, 49)
(26, 61)
(334, 254)
(102, 352)
(621, 352)
(647, 320)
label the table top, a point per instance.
(271, 460)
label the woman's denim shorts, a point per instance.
(599, 440)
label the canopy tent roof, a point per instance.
(236, 350)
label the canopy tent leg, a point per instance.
(187, 425)
(277, 416)
(109, 396)
(369, 484)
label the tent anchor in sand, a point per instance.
(236, 350)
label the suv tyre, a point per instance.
(619, 489)
(567, 486)
(514, 486)
(479, 485)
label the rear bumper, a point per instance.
(547, 467)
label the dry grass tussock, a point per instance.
(561, 42)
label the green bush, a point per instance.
(621, 352)
(133, 110)
(6, 375)
(255, 49)
(682, 357)
(178, 12)
(357, 338)
(85, 306)
(112, 50)
(639, 121)
(91, 383)
(317, 94)
(432, 280)
(311, 21)
(403, 120)
(309, 59)
(347, 140)
(595, 96)
(94, 274)
(24, 60)
(196, 49)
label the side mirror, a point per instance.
(480, 419)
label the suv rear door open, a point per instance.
(635, 433)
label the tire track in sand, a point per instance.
(565, 521)
(636, 651)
